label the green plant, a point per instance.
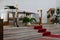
(32, 20)
(26, 20)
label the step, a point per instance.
(22, 36)
(25, 33)
(19, 31)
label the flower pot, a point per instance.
(29, 24)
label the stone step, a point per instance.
(25, 33)
(22, 36)
(19, 31)
(14, 28)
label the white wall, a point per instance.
(58, 3)
(3, 14)
(32, 5)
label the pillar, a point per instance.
(40, 18)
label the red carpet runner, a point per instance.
(55, 36)
(45, 33)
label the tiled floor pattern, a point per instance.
(28, 33)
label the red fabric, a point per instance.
(55, 36)
(41, 30)
(46, 33)
(37, 27)
(43, 39)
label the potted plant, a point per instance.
(28, 21)
(25, 20)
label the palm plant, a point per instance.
(32, 20)
(26, 20)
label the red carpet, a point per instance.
(38, 27)
(45, 33)
(52, 36)
(55, 36)
(42, 30)
(43, 39)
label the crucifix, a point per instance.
(40, 18)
